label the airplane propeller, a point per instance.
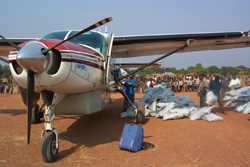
(30, 96)
(27, 60)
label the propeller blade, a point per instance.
(12, 44)
(97, 24)
(30, 96)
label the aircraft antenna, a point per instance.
(106, 28)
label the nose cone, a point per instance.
(31, 58)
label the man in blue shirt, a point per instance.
(130, 84)
(216, 86)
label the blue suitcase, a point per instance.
(132, 137)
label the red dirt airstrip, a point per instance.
(93, 140)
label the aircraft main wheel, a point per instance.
(140, 117)
(49, 151)
(35, 115)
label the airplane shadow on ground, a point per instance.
(103, 127)
(13, 112)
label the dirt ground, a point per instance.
(93, 140)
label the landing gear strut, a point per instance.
(50, 141)
(37, 114)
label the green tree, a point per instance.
(222, 69)
(198, 69)
(127, 70)
(232, 70)
(4, 71)
(242, 67)
(247, 72)
(181, 71)
(213, 70)
(190, 69)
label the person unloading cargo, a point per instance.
(216, 86)
(202, 90)
(129, 84)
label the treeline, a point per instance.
(4, 71)
(196, 70)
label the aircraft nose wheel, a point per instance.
(49, 151)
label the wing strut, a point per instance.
(4, 60)
(188, 42)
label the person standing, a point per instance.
(235, 83)
(215, 87)
(3, 89)
(247, 82)
(202, 90)
(129, 84)
(165, 83)
(225, 84)
(1, 85)
(140, 86)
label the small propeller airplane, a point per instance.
(75, 73)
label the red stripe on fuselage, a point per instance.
(65, 46)
(82, 54)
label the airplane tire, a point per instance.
(35, 118)
(49, 151)
(140, 117)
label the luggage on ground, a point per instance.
(132, 137)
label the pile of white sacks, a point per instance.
(240, 99)
(162, 103)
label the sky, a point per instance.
(34, 19)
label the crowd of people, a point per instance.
(6, 86)
(177, 84)
(187, 83)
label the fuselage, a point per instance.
(76, 66)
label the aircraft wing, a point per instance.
(134, 46)
(133, 65)
(5, 47)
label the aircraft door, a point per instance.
(107, 65)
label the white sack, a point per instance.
(211, 117)
(240, 108)
(129, 113)
(226, 98)
(153, 105)
(184, 111)
(228, 103)
(211, 98)
(246, 109)
(169, 116)
(161, 104)
(167, 108)
(199, 113)
(153, 113)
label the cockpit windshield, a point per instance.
(56, 35)
(90, 38)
